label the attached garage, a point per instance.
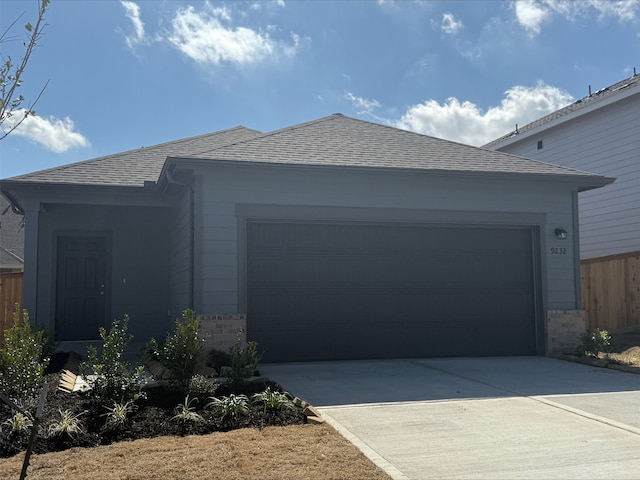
(327, 291)
(332, 239)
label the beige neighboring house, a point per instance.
(599, 133)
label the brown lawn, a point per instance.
(306, 452)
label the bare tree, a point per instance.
(11, 74)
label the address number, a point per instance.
(558, 250)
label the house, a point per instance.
(332, 239)
(599, 133)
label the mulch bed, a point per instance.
(152, 417)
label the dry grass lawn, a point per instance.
(306, 452)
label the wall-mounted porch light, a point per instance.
(561, 233)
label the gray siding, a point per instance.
(139, 257)
(232, 194)
(180, 258)
(604, 141)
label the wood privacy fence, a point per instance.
(11, 288)
(611, 292)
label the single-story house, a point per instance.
(332, 239)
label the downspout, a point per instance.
(192, 235)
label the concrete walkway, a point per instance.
(479, 418)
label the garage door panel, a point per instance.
(378, 291)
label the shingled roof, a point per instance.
(593, 100)
(334, 141)
(341, 141)
(134, 167)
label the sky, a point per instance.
(126, 74)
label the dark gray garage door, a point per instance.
(319, 291)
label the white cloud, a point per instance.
(450, 25)
(208, 37)
(364, 105)
(532, 14)
(132, 11)
(52, 133)
(465, 122)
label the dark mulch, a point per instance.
(152, 417)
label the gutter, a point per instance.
(15, 206)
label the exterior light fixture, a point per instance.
(561, 233)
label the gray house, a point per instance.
(598, 133)
(332, 239)
(11, 239)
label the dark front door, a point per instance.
(81, 287)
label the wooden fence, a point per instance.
(11, 288)
(611, 292)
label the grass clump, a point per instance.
(594, 342)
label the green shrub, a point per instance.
(594, 342)
(180, 352)
(110, 377)
(22, 360)
(201, 387)
(244, 362)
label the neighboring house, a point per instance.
(11, 239)
(599, 133)
(338, 238)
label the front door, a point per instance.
(81, 287)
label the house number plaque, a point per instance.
(558, 250)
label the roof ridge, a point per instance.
(275, 132)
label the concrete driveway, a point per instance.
(478, 418)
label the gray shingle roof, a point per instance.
(338, 141)
(134, 167)
(335, 140)
(590, 100)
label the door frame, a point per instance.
(107, 235)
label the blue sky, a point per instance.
(127, 74)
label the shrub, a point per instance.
(201, 387)
(272, 401)
(109, 376)
(244, 362)
(180, 352)
(594, 342)
(22, 362)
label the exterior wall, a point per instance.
(180, 244)
(139, 253)
(604, 141)
(232, 194)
